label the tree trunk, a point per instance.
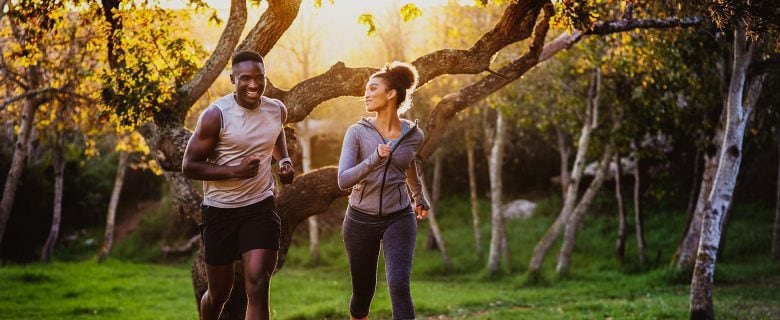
(119, 180)
(589, 124)
(725, 178)
(620, 246)
(305, 144)
(436, 190)
(310, 194)
(694, 186)
(638, 219)
(31, 141)
(17, 163)
(564, 151)
(506, 254)
(435, 228)
(776, 229)
(496, 162)
(685, 256)
(473, 191)
(570, 232)
(59, 177)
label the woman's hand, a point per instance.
(383, 150)
(421, 212)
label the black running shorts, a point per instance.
(229, 232)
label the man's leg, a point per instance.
(259, 265)
(220, 281)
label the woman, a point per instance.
(377, 162)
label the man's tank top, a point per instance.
(244, 133)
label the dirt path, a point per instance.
(130, 219)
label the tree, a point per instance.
(48, 58)
(495, 139)
(776, 228)
(168, 138)
(133, 154)
(304, 46)
(742, 96)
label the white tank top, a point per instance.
(244, 132)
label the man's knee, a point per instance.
(258, 285)
(217, 297)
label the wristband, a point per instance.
(288, 160)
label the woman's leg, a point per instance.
(362, 245)
(398, 245)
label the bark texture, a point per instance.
(119, 181)
(620, 246)
(575, 219)
(572, 191)
(720, 197)
(59, 180)
(495, 165)
(473, 192)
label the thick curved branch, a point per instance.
(452, 103)
(194, 88)
(271, 26)
(310, 194)
(516, 24)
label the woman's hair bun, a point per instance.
(402, 74)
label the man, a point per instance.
(231, 152)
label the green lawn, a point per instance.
(597, 288)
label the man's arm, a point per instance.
(202, 144)
(286, 171)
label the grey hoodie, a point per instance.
(370, 176)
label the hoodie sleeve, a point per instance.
(414, 181)
(350, 170)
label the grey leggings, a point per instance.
(363, 234)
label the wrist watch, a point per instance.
(288, 160)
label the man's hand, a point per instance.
(248, 167)
(286, 172)
(421, 212)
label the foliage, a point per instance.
(410, 11)
(759, 17)
(156, 61)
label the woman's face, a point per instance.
(377, 94)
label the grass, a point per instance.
(88, 290)
(597, 287)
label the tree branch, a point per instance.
(219, 58)
(272, 24)
(566, 39)
(31, 93)
(452, 103)
(516, 24)
(310, 194)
